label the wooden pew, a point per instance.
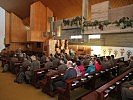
(91, 96)
(102, 92)
(17, 66)
(39, 74)
(4, 61)
(106, 89)
(50, 78)
(64, 94)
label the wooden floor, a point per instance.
(13, 91)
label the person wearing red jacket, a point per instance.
(79, 68)
(97, 65)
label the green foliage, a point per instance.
(124, 22)
(106, 23)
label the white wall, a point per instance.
(95, 50)
(2, 28)
(108, 50)
(125, 11)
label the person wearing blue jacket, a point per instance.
(91, 67)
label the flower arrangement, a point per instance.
(109, 50)
(122, 51)
(104, 52)
(129, 53)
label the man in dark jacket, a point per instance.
(43, 59)
(48, 63)
(20, 76)
(62, 66)
(69, 73)
(35, 64)
(127, 93)
(56, 61)
(131, 62)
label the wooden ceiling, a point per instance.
(20, 7)
(61, 8)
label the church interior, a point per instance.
(66, 49)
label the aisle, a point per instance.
(13, 91)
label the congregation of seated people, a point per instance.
(73, 65)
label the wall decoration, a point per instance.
(129, 53)
(109, 51)
(115, 52)
(122, 51)
(104, 52)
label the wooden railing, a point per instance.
(103, 92)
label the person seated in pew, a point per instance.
(43, 58)
(127, 90)
(5, 68)
(51, 57)
(91, 67)
(127, 84)
(48, 63)
(97, 65)
(86, 61)
(35, 64)
(25, 64)
(20, 78)
(103, 62)
(62, 65)
(63, 58)
(12, 61)
(108, 61)
(131, 62)
(113, 61)
(123, 66)
(79, 68)
(127, 93)
(69, 73)
(56, 61)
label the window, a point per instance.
(76, 37)
(94, 36)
